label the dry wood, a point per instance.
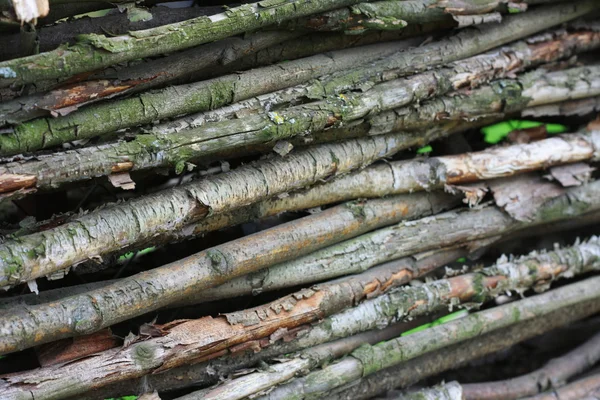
(160, 287)
(184, 341)
(176, 149)
(367, 359)
(178, 100)
(95, 51)
(331, 328)
(413, 371)
(586, 388)
(141, 220)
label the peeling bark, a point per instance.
(174, 282)
(175, 149)
(367, 359)
(114, 228)
(308, 359)
(109, 117)
(303, 337)
(468, 73)
(136, 78)
(94, 51)
(182, 342)
(430, 364)
(393, 15)
(556, 373)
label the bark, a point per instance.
(116, 22)
(94, 51)
(109, 117)
(391, 15)
(431, 364)
(367, 359)
(177, 149)
(114, 228)
(182, 342)
(446, 391)
(467, 73)
(554, 374)
(305, 46)
(438, 172)
(582, 389)
(331, 328)
(138, 77)
(308, 359)
(174, 282)
(277, 277)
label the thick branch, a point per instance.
(197, 339)
(554, 374)
(184, 99)
(98, 51)
(113, 228)
(175, 149)
(431, 364)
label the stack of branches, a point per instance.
(225, 202)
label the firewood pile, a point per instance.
(299, 199)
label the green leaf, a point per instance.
(130, 255)
(425, 150)
(497, 132)
(462, 259)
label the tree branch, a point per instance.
(367, 359)
(184, 99)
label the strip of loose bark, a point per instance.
(155, 150)
(43, 133)
(94, 51)
(139, 77)
(113, 228)
(193, 340)
(367, 359)
(310, 358)
(554, 374)
(431, 364)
